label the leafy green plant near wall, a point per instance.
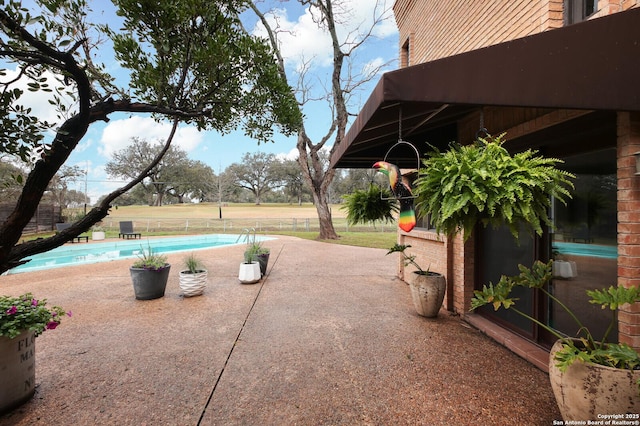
(586, 347)
(484, 183)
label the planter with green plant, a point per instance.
(371, 205)
(249, 272)
(22, 319)
(483, 183)
(193, 278)
(149, 275)
(258, 253)
(589, 376)
(427, 288)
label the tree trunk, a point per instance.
(327, 231)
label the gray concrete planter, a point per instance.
(149, 284)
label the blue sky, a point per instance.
(304, 41)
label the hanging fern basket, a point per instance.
(484, 183)
(370, 205)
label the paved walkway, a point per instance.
(329, 337)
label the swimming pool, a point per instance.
(593, 250)
(80, 253)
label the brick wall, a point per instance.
(607, 7)
(437, 29)
(432, 29)
(628, 223)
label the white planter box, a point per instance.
(97, 235)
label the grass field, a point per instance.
(280, 219)
(229, 211)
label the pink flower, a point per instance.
(34, 302)
(52, 325)
(12, 310)
(69, 314)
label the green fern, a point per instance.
(483, 183)
(370, 205)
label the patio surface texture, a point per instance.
(328, 337)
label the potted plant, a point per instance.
(22, 319)
(193, 278)
(249, 272)
(258, 253)
(483, 183)
(370, 205)
(588, 376)
(149, 275)
(427, 288)
(97, 233)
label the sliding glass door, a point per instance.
(583, 245)
(585, 253)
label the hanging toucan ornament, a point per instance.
(402, 192)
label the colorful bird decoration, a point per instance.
(407, 218)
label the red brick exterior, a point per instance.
(628, 223)
(436, 29)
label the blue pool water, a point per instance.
(83, 253)
(593, 250)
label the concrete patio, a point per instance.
(329, 337)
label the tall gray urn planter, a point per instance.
(585, 390)
(427, 292)
(149, 283)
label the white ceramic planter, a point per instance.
(249, 273)
(565, 269)
(193, 284)
(97, 235)
(17, 370)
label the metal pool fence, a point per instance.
(238, 225)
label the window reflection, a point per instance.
(585, 253)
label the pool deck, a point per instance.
(328, 337)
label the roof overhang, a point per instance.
(593, 65)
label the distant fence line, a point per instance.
(238, 225)
(44, 219)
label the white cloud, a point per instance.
(301, 39)
(38, 101)
(118, 133)
(375, 65)
(292, 155)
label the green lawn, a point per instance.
(362, 239)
